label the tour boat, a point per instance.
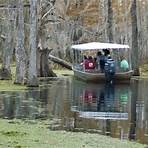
(95, 75)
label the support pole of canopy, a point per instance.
(129, 59)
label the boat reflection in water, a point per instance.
(107, 101)
(105, 108)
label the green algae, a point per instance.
(24, 134)
(8, 85)
(64, 72)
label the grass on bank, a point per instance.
(20, 134)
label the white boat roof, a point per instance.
(98, 45)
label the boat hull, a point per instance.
(100, 77)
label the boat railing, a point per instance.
(96, 70)
(81, 68)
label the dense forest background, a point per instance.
(54, 25)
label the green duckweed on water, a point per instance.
(26, 134)
(64, 72)
(8, 85)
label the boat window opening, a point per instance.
(80, 57)
(72, 56)
(115, 54)
(76, 56)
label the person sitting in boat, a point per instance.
(106, 52)
(84, 62)
(91, 63)
(100, 61)
(124, 66)
(85, 59)
(110, 69)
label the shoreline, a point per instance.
(23, 134)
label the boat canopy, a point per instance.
(98, 45)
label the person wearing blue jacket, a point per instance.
(110, 70)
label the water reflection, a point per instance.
(139, 111)
(120, 111)
(101, 101)
(104, 108)
(23, 104)
(39, 103)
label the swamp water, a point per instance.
(119, 111)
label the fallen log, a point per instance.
(60, 62)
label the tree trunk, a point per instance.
(135, 51)
(45, 69)
(21, 56)
(8, 46)
(110, 21)
(32, 74)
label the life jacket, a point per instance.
(90, 64)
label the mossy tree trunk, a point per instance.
(32, 73)
(21, 56)
(45, 69)
(110, 21)
(5, 72)
(135, 51)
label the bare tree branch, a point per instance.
(3, 37)
(47, 13)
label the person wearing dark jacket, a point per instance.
(110, 70)
(100, 61)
